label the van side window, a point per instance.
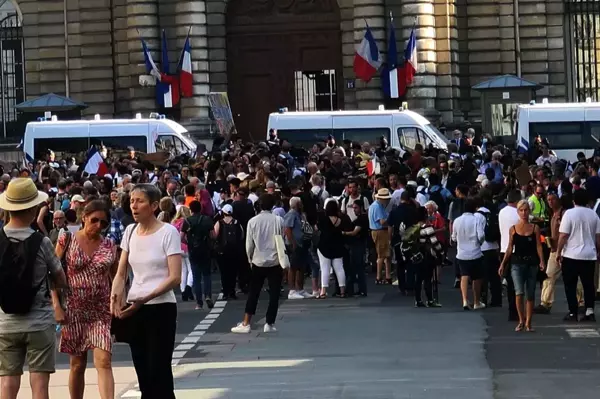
(71, 146)
(561, 135)
(371, 135)
(165, 143)
(120, 143)
(408, 137)
(424, 139)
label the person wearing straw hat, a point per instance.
(378, 216)
(27, 334)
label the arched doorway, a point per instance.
(12, 67)
(282, 53)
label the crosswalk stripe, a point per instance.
(583, 333)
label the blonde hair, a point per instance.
(432, 204)
(523, 203)
(182, 212)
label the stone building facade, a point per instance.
(252, 48)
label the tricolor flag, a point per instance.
(367, 59)
(390, 76)
(523, 145)
(373, 167)
(151, 67)
(410, 58)
(167, 93)
(95, 163)
(186, 80)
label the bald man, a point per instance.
(60, 225)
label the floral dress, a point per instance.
(88, 301)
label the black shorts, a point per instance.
(473, 268)
(299, 258)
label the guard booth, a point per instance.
(64, 108)
(500, 98)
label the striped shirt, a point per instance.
(428, 239)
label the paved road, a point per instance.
(376, 347)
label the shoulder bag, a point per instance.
(282, 255)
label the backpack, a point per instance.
(319, 200)
(492, 226)
(308, 231)
(230, 236)
(437, 197)
(198, 235)
(17, 262)
(410, 245)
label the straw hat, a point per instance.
(21, 194)
(383, 194)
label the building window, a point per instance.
(316, 90)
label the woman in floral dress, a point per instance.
(90, 261)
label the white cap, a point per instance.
(227, 209)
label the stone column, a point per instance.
(555, 33)
(446, 38)
(217, 44)
(422, 92)
(490, 44)
(142, 22)
(192, 13)
(534, 43)
(348, 50)
(368, 95)
(121, 46)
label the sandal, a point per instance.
(389, 281)
(343, 295)
(378, 281)
(519, 327)
(321, 296)
(529, 329)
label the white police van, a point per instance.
(403, 129)
(569, 127)
(144, 135)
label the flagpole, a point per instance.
(183, 49)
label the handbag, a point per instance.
(124, 330)
(307, 230)
(282, 255)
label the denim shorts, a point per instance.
(525, 279)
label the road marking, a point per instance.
(189, 342)
(583, 333)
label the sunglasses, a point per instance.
(103, 223)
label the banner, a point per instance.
(221, 112)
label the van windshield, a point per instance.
(429, 128)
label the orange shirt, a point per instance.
(188, 201)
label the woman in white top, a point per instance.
(153, 250)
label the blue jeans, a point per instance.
(525, 279)
(202, 279)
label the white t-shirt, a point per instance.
(347, 206)
(507, 218)
(581, 224)
(487, 245)
(148, 260)
(396, 197)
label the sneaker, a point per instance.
(479, 305)
(570, 317)
(295, 295)
(241, 329)
(209, 303)
(269, 328)
(433, 304)
(306, 294)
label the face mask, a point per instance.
(484, 141)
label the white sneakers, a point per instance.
(293, 294)
(479, 305)
(306, 295)
(245, 329)
(241, 329)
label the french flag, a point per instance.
(391, 75)
(95, 163)
(410, 58)
(186, 80)
(367, 59)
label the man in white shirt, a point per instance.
(469, 234)
(490, 253)
(348, 202)
(545, 157)
(578, 248)
(507, 218)
(400, 186)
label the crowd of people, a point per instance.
(108, 255)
